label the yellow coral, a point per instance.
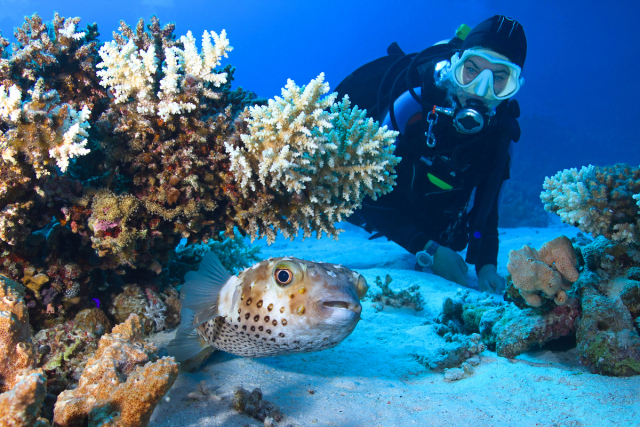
(547, 270)
(120, 383)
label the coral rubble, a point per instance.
(253, 405)
(410, 297)
(121, 384)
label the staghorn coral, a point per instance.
(20, 406)
(121, 384)
(323, 156)
(598, 199)
(551, 270)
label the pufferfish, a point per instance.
(276, 307)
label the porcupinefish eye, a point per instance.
(283, 276)
(287, 272)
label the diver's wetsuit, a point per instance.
(418, 210)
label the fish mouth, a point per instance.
(338, 305)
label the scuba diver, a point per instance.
(452, 105)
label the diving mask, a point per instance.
(506, 80)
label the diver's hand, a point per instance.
(490, 281)
(450, 265)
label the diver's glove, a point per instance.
(448, 264)
(490, 281)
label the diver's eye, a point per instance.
(283, 276)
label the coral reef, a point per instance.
(253, 405)
(20, 406)
(157, 311)
(121, 384)
(598, 199)
(550, 271)
(64, 349)
(112, 153)
(409, 297)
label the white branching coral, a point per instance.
(127, 70)
(42, 128)
(321, 153)
(599, 200)
(132, 72)
(10, 103)
(74, 138)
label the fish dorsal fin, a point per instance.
(187, 343)
(201, 290)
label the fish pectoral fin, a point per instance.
(187, 342)
(205, 316)
(201, 289)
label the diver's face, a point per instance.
(473, 66)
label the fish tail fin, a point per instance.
(201, 289)
(187, 342)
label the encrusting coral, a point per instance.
(17, 356)
(550, 270)
(121, 384)
(20, 406)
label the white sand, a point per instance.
(370, 379)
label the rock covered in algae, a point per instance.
(121, 384)
(608, 343)
(64, 349)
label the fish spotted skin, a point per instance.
(282, 306)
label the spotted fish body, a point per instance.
(278, 306)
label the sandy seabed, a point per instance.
(371, 379)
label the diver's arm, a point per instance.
(488, 251)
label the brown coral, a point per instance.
(20, 406)
(550, 271)
(17, 356)
(122, 383)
